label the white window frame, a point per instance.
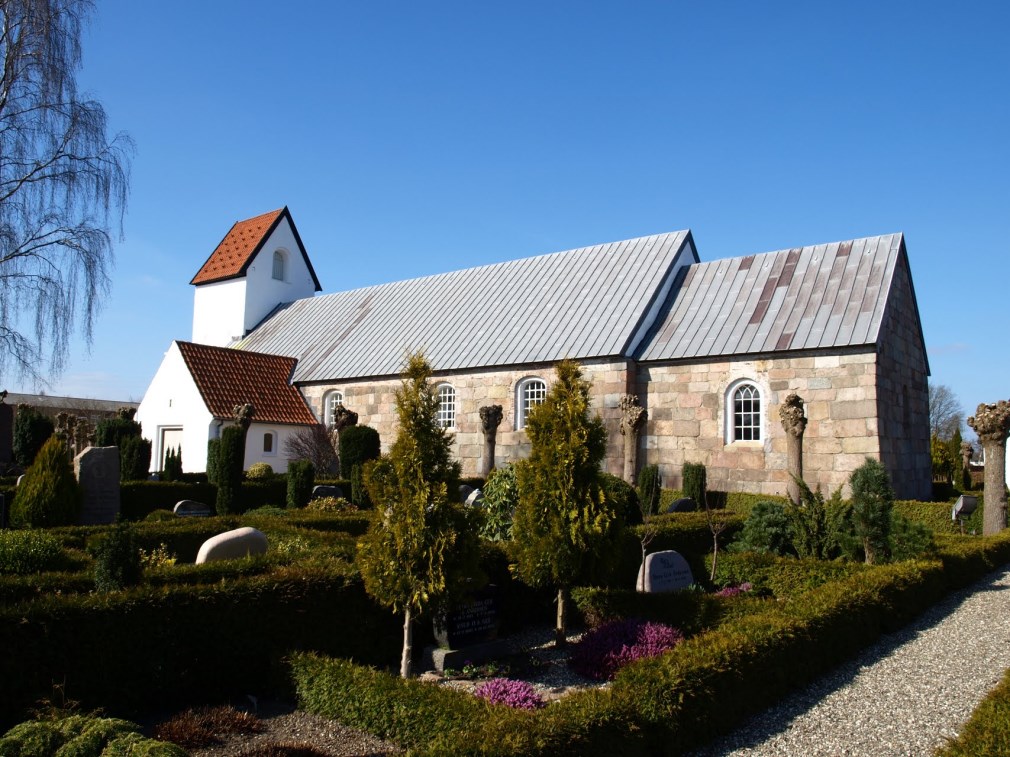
(530, 391)
(752, 421)
(272, 436)
(446, 413)
(330, 402)
(280, 257)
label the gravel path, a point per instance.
(903, 696)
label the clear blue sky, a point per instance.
(414, 138)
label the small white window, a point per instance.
(744, 420)
(446, 415)
(279, 265)
(529, 393)
(333, 399)
(269, 443)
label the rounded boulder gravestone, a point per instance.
(664, 571)
(232, 545)
(323, 490)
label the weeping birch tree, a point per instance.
(422, 546)
(63, 181)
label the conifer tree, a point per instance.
(421, 546)
(564, 528)
(872, 502)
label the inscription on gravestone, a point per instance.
(665, 571)
(473, 622)
(97, 471)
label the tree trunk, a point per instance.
(561, 629)
(406, 666)
(994, 497)
(870, 551)
(715, 555)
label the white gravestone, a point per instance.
(664, 571)
(232, 545)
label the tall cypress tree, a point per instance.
(564, 528)
(422, 545)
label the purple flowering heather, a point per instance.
(518, 694)
(606, 649)
(732, 591)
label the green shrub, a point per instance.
(695, 479)
(501, 495)
(259, 471)
(872, 501)
(49, 494)
(650, 488)
(358, 445)
(230, 464)
(117, 558)
(134, 458)
(817, 526)
(173, 465)
(158, 516)
(908, 540)
(767, 529)
(213, 459)
(782, 577)
(359, 493)
(83, 736)
(24, 552)
(31, 430)
(110, 432)
(622, 498)
(301, 474)
(987, 732)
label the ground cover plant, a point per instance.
(82, 736)
(987, 732)
(604, 650)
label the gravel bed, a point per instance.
(905, 695)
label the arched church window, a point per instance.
(446, 414)
(744, 419)
(279, 261)
(334, 398)
(530, 392)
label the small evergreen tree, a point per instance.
(650, 489)
(695, 478)
(173, 464)
(872, 502)
(359, 493)
(501, 496)
(564, 530)
(817, 525)
(48, 495)
(231, 463)
(134, 458)
(358, 445)
(213, 458)
(767, 529)
(421, 547)
(117, 559)
(301, 476)
(31, 430)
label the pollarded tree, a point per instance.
(564, 529)
(421, 548)
(62, 180)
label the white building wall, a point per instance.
(254, 452)
(219, 312)
(263, 291)
(173, 401)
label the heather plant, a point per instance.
(604, 650)
(650, 489)
(421, 550)
(518, 694)
(501, 496)
(31, 430)
(26, 552)
(301, 476)
(565, 529)
(48, 495)
(872, 503)
(735, 591)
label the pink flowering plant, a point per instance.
(518, 694)
(732, 591)
(600, 653)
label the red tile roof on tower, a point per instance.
(227, 377)
(237, 248)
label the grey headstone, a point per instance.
(475, 498)
(19, 480)
(682, 505)
(665, 571)
(232, 545)
(189, 507)
(97, 471)
(326, 491)
(464, 492)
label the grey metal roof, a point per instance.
(826, 295)
(584, 303)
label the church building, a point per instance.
(710, 349)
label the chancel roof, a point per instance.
(817, 297)
(585, 303)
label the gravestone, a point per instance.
(664, 571)
(326, 491)
(232, 545)
(18, 482)
(97, 471)
(190, 508)
(467, 633)
(682, 505)
(475, 498)
(464, 492)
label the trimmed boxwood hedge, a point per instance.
(987, 732)
(664, 705)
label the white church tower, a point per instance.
(259, 265)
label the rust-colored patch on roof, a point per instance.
(237, 248)
(228, 377)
